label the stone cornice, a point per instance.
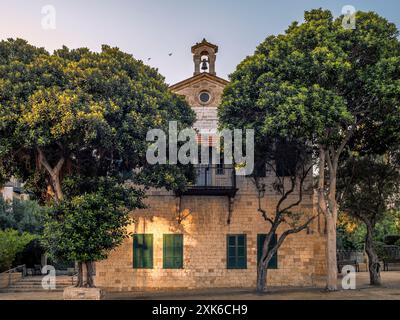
(204, 43)
(198, 78)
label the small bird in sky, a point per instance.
(148, 59)
(170, 54)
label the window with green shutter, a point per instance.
(236, 251)
(173, 251)
(143, 251)
(273, 264)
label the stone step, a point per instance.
(19, 290)
(34, 284)
(22, 286)
(38, 285)
(39, 282)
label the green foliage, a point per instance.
(353, 239)
(351, 232)
(73, 125)
(24, 216)
(381, 251)
(11, 243)
(91, 110)
(388, 226)
(86, 227)
(318, 79)
(369, 187)
(330, 87)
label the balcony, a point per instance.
(213, 180)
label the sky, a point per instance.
(155, 28)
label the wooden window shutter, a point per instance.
(236, 251)
(143, 251)
(173, 251)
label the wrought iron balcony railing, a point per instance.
(214, 180)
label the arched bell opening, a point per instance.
(204, 57)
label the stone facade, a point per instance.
(207, 114)
(301, 259)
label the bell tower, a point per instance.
(204, 57)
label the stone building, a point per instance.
(13, 190)
(185, 240)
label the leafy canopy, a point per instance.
(11, 243)
(24, 216)
(73, 125)
(369, 188)
(85, 111)
(317, 80)
(86, 227)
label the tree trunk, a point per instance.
(330, 213)
(55, 178)
(373, 260)
(89, 271)
(54, 173)
(262, 278)
(332, 272)
(80, 275)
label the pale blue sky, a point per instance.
(154, 28)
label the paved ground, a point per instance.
(390, 290)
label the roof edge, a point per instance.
(198, 77)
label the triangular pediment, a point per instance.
(204, 43)
(198, 78)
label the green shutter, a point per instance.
(173, 251)
(273, 264)
(143, 251)
(236, 251)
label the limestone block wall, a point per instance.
(206, 115)
(301, 260)
(192, 91)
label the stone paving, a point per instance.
(390, 290)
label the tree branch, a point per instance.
(301, 191)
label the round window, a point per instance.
(205, 97)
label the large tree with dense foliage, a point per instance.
(369, 187)
(334, 87)
(88, 226)
(81, 112)
(71, 121)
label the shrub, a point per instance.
(11, 243)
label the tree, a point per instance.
(369, 187)
(81, 112)
(11, 243)
(330, 86)
(24, 216)
(87, 227)
(288, 158)
(76, 119)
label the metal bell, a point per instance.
(204, 65)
